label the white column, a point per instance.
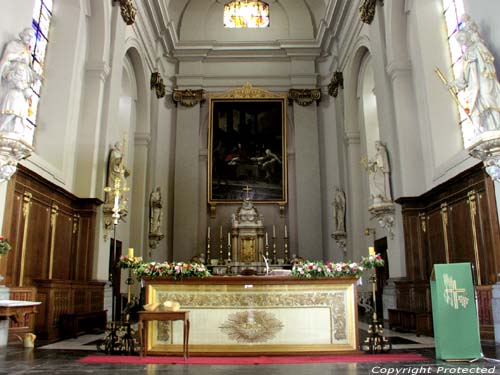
(186, 183)
(139, 219)
(356, 199)
(308, 194)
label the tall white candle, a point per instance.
(130, 252)
(208, 233)
(228, 239)
(274, 231)
(267, 241)
(286, 232)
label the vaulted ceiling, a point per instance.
(194, 28)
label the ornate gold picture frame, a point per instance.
(247, 146)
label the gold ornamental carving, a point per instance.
(247, 92)
(304, 97)
(444, 221)
(128, 11)
(367, 11)
(158, 85)
(26, 214)
(188, 98)
(252, 326)
(336, 83)
(334, 300)
(54, 212)
(472, 202)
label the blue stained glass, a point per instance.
(42, 14)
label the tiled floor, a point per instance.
(60, 358)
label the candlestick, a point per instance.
(229, 247)
(286, 232)
(275, 258)
(267, 240)
(208, 232)
(287, 258)
(274, 231)
(228, 239)
(130, 252)
(371, 250)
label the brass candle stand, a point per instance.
(221, 253)
(266, 251)
(286, 255)
(229, 252)
(208, 251)
(274, 259)
(376, 342)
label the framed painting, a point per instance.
(247, 147)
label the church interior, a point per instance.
(179, 138)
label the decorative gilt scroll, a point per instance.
(188, 98)
(247, 92)
(128, 11)
(158, 85)
(336, 83)
(53, 224)
(367, 11)
(304, 97)
(471, 200)
(423, 221)
(76, 223)
(444, 220)
(26, 214)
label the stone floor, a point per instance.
(60, 358)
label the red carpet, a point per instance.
(136, 360)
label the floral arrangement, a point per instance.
(129, 262)
(4, 246)
(177, 270)
(311, 269)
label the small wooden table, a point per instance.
(145, 316)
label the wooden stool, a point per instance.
(145, 316)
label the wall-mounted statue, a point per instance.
(17, 77)
(155, 218)
(380, 179)
(339, 210)
(478, 79)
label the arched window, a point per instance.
(42, 14)
(246, 13)
(453, 12)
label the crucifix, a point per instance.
(247, 190)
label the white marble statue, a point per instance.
(380, 171)
(339, 210)
(478, 79)
(156, 213)
(17, 77)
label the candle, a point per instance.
(267, 241)
(274, 231)
(130, 252)
(228, 239)
(208, 233)
(371, 250)
(220, 232)
(286, 232)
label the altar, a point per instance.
(252, 315)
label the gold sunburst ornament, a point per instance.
(251, 326)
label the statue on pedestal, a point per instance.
(379, 170)
(155, 218)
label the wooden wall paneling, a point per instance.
(411, 231)
(436, 237)
(485, 312)
(460, 230)
(12, 229)
(36, 257)
(489, 254)
(63, 245)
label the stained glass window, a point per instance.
(42, 14)
(246, 13)
(453, 12)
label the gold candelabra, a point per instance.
(286, 257)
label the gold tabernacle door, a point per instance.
(258, 315)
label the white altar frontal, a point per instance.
(241, 315)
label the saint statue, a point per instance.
(17, 77)
(478, 79)
(155, 214)
(379, 169)
(339, 210)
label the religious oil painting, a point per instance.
(247, 150)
